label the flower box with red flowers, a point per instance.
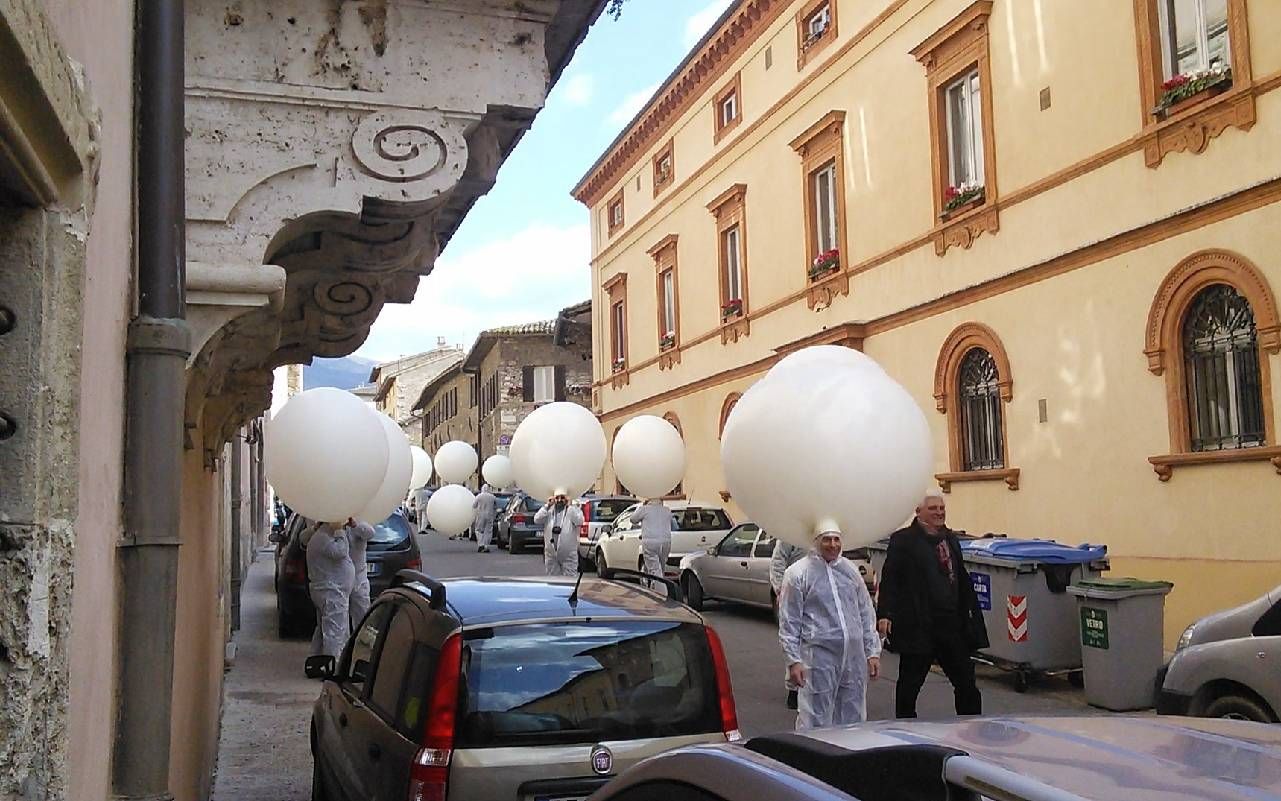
(829, 261)
(732, 309)
(667, 342)
(961, 198)
(1190, 88)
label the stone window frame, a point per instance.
(678, 492)
(616, 290)
(962, 340)
(661, 182)
(1197, 121)
(616, 202)
(1163, 346)
(664, 254)
(806, 54)
(733, 87)
(960, 46)
(820, 144)
(730, 209)
(727, 406)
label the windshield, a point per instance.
(606, 510)
(500, 502)
(390, 531)
(700, 520)
(586, 682)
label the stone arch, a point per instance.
(731, 401)
(963, 339)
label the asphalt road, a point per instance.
(756, 660)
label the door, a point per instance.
(758, 585)
(727, 575)
(384, 749)
(347, 762)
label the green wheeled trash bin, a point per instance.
(1121, 622)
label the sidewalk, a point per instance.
(263, 751)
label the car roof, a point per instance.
(1101, 757)
(489, 601)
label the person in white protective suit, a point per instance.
(656, 535)
(560, 521)
(359, 533)
(484, 507)
(785, 555)
(330, 577)
(827, 627)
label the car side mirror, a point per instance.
(320, 667)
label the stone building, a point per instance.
(445, 411)
(401, 381)
(292, 167)
(1056, 224)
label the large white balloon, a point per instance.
(649, 456)
(455, 462)
(497, 471)
(400, 468)
(449, 511)
(827, 441)
(422, 467)
(558, 449)
(325, 454)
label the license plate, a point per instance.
(371, 568)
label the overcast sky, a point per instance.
(522, 253)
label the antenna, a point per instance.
(573, 596)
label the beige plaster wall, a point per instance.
(99, 35)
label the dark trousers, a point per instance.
(952, 654)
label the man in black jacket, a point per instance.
(929, 610)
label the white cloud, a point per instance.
(631, 105)
(522, 279)
(698, 24)
(578, 89)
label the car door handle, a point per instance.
(375, 753)
(744, 564)
(342, 718)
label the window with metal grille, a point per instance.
(980, 408)
(1221, 366)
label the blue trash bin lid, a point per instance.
(1043, 551)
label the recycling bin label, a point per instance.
(983, 590)
(1094, 628)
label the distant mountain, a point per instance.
(345, 373)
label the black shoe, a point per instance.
(480, 549)
(791, 699)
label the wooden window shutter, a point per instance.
(527, 384)
(560, 382)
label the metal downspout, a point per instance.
(157, 351)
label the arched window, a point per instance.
(1221, 368)
(726, 408)
(979, 408)
(972, 384)
(679, 491)
(1212, 325)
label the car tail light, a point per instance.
(429, 774)
(725, 692)
(520, 519)
(414, 564)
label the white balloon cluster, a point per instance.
(827, 441)
(649, 456)
(558, 449)
(449, 510)
(330, 457)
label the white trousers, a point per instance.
(358, 603)
(654, 555)
(332, 616)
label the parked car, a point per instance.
(506, 688)
(1228, 665)
(695, 528)
(599, 511)
(737, 569)
(1071, 758)
(516, 530)
(392, 548)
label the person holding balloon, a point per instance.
(656, 534)
(359, 533)
(784, 556)
(827, 627)
(484, 506)
(330, 577)
(560, 522)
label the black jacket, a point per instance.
(905, 595)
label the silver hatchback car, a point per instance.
(514, 689)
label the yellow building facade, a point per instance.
(1056, 224)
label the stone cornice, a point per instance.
(699, 74)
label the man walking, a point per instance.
(656, 535)
(358, 536)
(929, 610)
(483, 524)
(560, 522)
(785, 555)
(330, 578)
(827, 627)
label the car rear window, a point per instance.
(500, 502)
(390, 531)
(579, 682)
(532, 504)
(606, 510)
(700, 520)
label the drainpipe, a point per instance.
(157, 351)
